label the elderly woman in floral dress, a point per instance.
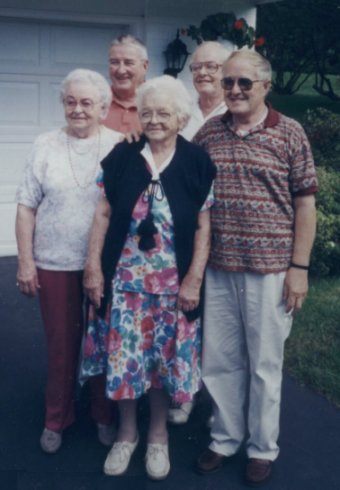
(56, 203)
(147, 254)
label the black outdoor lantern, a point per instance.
(176, 55)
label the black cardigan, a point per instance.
(186, 182)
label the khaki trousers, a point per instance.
(245, 327)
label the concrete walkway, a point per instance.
(310, 429)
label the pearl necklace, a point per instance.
(91, 179)
(87, 149)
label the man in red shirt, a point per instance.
(128, 61)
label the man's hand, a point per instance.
(133, 136)
(295, 289)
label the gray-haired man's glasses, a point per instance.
(210, 67)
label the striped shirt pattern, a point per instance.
(258, 176)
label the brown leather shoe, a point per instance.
(258, 471)
(209, 462)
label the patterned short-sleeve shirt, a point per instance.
(258, 176)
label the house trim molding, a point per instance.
(135, 25)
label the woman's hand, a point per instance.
(93, 281)
(27, 277)
(189, 293)
(93, 284)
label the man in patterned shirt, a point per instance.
(263, 228)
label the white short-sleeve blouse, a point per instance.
(57, 189)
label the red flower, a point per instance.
(114, 341)
(239, 24)
(147, 328)
(260, 41)
(125, 391)
(90, 347)
(169, 349)
(147, 325)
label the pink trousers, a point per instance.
(61, 304)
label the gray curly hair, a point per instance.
(82, 75)
(171, 87)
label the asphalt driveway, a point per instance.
(309, 441)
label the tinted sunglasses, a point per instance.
(244, 84)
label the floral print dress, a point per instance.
(145, 341)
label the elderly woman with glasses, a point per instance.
(56, 203)
(147, 254)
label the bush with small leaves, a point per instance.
(326, 252)
(323, 130)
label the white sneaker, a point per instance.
(106, 434)
(180, 414)
(50, 441)
(118, 459)
(157, 462)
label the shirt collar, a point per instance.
(121, 103)
(271, 120)
(218, 109)
(156, 171)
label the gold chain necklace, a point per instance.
(94, 171)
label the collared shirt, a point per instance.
(197, 119)
(122, 118)
(258, 176)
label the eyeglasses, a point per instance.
(210, 67)
(161, 116)
(86, 104)
(244, 84)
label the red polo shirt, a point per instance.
(122, 117)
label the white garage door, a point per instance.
(34, 57)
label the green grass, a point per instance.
(312, 353)
(307, 87)
(295, 106)
(306, 98)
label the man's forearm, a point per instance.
(304, 229)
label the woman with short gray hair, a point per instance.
(181, 99)
(83, 76)
(56, 203)
(147, 253)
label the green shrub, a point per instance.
(326, 251)
(323, 130)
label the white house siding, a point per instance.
(39, 45)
